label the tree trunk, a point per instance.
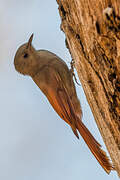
(92, 29)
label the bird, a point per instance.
(52, 75)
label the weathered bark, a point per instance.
(92, 29)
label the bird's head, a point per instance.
(24, 60)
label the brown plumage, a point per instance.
(55, 80)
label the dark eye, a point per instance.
(25, 55)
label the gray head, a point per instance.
(24, 60)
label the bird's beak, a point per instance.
(30, 41)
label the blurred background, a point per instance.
(34, 142)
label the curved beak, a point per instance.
(30, 41)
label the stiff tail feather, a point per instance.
(95, 147)
(67, 108)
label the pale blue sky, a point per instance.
(34, 142)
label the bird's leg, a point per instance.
(71, 63)
(72, 70)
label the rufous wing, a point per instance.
(63, 105)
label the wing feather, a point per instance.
(65, 108)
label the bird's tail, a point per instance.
(95, 147)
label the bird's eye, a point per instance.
(25, 55)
